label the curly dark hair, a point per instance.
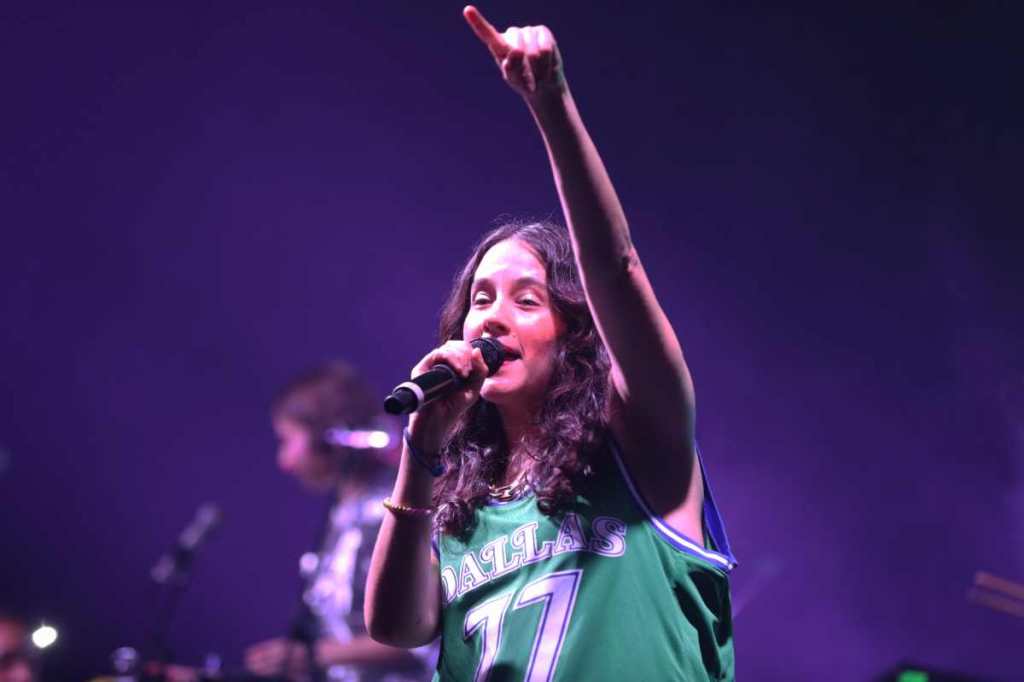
(574, 417)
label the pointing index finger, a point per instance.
(487, 34)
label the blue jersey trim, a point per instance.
(712, 519)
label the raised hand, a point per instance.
(527, 56)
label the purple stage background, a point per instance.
(198, 201)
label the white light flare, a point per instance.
(44, 636)
(359, 440)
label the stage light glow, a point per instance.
(378, 439)
(359, 439)
(44, 636)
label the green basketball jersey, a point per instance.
(605, 591)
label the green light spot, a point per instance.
(912, 676)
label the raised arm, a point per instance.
(654, 414)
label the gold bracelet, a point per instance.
(402, 510)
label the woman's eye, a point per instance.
(529, 301)
(480, 299)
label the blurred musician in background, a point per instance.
(329, 435)
(16, 661)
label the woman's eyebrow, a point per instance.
(528, 282)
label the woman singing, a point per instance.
(552, 521)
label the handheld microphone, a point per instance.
(439, 380)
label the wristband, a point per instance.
(435, 469)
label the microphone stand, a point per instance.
(168, 597)
(302, 633)
(171, 575)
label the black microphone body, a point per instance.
(439, 380)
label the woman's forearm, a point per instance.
(403, 586)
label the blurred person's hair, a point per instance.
(330, 396)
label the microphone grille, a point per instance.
(492, 352)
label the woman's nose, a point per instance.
(495, 321)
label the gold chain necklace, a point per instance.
(510, 491)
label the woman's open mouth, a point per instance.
(511, 354)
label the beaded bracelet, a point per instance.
(402, 510)
(421, 459)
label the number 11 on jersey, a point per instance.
(556, 592)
